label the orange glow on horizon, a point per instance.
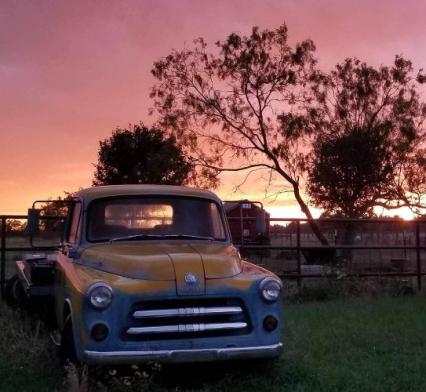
(293, 211)
(403, 212)
(290, 211)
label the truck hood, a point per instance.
(166, 261)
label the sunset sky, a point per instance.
(72, 71)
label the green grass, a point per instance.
(349, 345)
(27, 356)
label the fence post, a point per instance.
(241, 224)
(3, 255)
(419, 263)
(299, 267)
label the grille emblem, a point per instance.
(190, 278)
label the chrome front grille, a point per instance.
(184, 328)
(187, 312)
(175, 319)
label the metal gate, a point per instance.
(8, 245)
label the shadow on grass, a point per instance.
(196, 375)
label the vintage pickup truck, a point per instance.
(149, 273)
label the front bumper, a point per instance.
(178, 356)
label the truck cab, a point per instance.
(149, 273)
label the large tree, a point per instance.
(141, 155)
(242, 106)
(370, 151)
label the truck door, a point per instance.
(71, 239)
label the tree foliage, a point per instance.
(15, 226)
(141, 155)
(370, 149)
(243, 105)
(53, 213)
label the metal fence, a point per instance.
(13, 243)
(356, 248)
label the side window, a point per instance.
(74, 231)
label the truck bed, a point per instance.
(32, 289)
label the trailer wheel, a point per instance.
(14, 293)
(67, 353)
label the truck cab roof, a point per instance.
(99, 192)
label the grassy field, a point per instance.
(353, 345)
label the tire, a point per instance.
(14, 293)
(67, 353)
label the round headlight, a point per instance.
(270, 289)
(100, 295)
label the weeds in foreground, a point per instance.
(81, 378)
(27, 356)
(77, 378)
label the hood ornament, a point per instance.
(190, 278)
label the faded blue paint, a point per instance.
(116, 317)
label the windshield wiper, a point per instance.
(189, 236)
(136, 237)
(160, 236)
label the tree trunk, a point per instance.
(305, 209)
(303, 206)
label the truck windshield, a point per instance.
(145, 218)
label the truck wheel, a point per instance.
(67, 353)
(14, 293)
